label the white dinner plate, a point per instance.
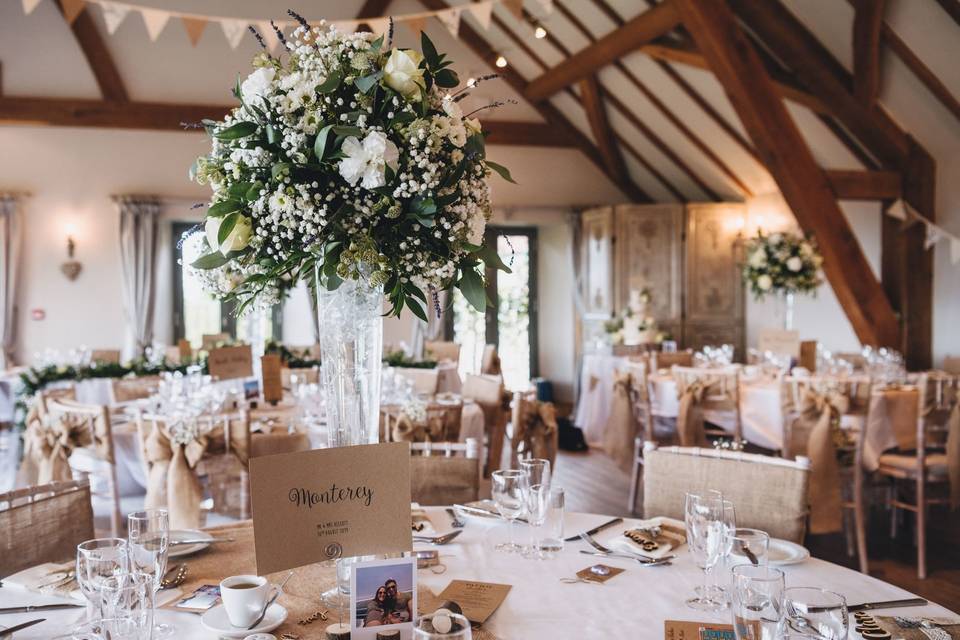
(784, 552)
(186, 549)
(216, 620)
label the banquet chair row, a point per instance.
(445, 473)
(43, 523)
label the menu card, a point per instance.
(477, 599)
(270, 367)
(779, 341)
(322, 504)
(230, 362)
(186, 351)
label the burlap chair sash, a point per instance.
(172, 479)
(535, 430)
(50, 439)
(621, 430)
(816, 433)
(694, 397)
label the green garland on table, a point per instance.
(399, 359)
(300, 359)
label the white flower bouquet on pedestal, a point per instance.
(782, 263)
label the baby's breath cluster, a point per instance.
(348, 159)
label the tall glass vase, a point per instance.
(788, 311)
(351, 349)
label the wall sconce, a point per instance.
(71, 268)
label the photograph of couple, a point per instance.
(385, 596)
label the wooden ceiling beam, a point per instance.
(778, 140)
(98, 56)
(952, 7)
(668, 51)
(867, 22)
(600, 126)
(650, 167)
(371, 9)
(865, 185)
(171, 117)
(647, 26)
(547, 111)
(921, 70)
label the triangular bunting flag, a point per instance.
(451, 20)
(416, 24)
(113, 15)
(29, 6)
(154, 20)
(934, 233)
(269, 35)
(481, 12)
(234, 31)
(380, 26)
(954, 250)
(515, 7)
(547, 5)
(194, 28)
(71, 9)
(897, 210)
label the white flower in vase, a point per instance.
(402, 73)
(236, 240)
(368, 160)
(758, 258)
(764, 282)
(258, 84)
(794, 264)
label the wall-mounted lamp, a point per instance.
(71, 268)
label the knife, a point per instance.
(597, 529)
(39, 607)
(174, 543)
(870, 606)
(485, 513)
(20, 627)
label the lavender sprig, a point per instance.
(260, 40)
(280, 35)
(299, 18)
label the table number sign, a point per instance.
(779, 341)
(318, 505)
(270, 366)
(185, 350)
(227, 363)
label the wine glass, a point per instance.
(130, 596)
(815, 611)
(98, 560)
(707, 536)
(507, 492)
(757, 602)
(148, 538)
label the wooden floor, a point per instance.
(592, 483)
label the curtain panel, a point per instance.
(138, 255)
(11, 241)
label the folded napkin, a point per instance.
(630, 540)
(420, 522)
(46, 579)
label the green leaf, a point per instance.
(416, 308)
(471, 285)
(501, 170)
(344, 130)
(492, 259)
(238, 190)
(279, 168)
(272, 135)
(426, 222)
(210, 261)
(446, 78)
(331, 83)
(475, 145)
(253, 192)
(376, 44)
(423, 206)
(429, 51)
(366, 83)
(226, 226)
(237, 131)
(223, 208)
(320, 145)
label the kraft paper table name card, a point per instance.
(779, 341)
(317, 505)
(227, 363)
(270, 368)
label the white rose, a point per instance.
(452, 109)
(402, 73)
(764, 282)
(758, 258)
(368, 160)
(473, 125)
(257, 84)
(775, 238)
(795, 264)
(478, 224)
(237, 239)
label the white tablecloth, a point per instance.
(632, 605)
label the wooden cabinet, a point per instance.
(687, 255)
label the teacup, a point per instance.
(243, 598)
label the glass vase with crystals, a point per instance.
(349, 164)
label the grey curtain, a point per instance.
(430, 330)
(11, 240)
(138, 258)
(579, 287)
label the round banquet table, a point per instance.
(633, 604)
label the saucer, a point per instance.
(216, 620)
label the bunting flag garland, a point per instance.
(155, 20)
(901, 210)
(547, 6)
(113, 15)
(71, 9)
(29, 6)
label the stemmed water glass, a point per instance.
(507, 492)
(757, 602)
(148, 538)
(707, 539)
(98, 560)
(536, 495)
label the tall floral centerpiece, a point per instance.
(782, 264)
(349, 164)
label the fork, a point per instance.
(626, 556)
(444, 539)
(606, 550)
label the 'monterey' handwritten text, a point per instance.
(304, 497)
